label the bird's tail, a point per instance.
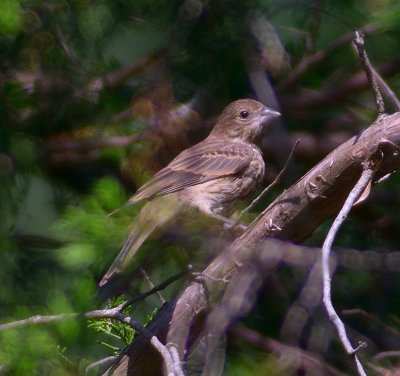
(154, 214)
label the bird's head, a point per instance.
(243, 119)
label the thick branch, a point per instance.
(322, 191)
(294, 214)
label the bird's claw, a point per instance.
(234, 227)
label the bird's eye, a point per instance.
(244, 114)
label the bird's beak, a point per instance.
(269, 113)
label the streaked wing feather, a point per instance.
(203, 162)
(188, 180)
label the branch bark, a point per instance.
(306, 101)
(293, 216)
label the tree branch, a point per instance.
(310, 61)
(308, 360)
(362, 53)
(292, 216)
(338, 93)
(355, 193)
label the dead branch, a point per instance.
(362, 53)
(355, 193)
(141, 358)
(268, 254)
(305, 360)
(270, 186)
(122, 75)
(310, 61)
(111, 313)
(79, 146)
(307, 101)
(293, 215)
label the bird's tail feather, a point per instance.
(154, 214)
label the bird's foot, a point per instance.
(230, 224)
(235, 229)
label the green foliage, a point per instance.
(250, 363)
(10, 17)
(27, 350)
(388, 15)
(86, 230)
(113, 334)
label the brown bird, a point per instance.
(209, 176)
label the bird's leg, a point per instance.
(229, 223)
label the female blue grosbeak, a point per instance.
(209, 176)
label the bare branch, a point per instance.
(292, 216)
(273, 184)
(112, 313)
(310, 61)
(270, 186)
(387, 354)
(355, 193)
(359, 43)
(59, 146)
(34, 320)
(100, 363)
(386, 89)
(169, 355)
(151, 284)
(337, 93)
(159, 287)
(117, 78)
(308, 361)
(141, 357)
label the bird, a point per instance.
(209, 176)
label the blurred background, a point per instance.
(96, 96)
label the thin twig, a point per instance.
(151, 284)
(310, 61)
(362, 53)
(68, 51)
(156, 288)
(37, 320)
(383, 85)
(117, 78)
(268, 188)
(337, 92)
(112, 313)
(311, 287)
(387, 354)
(100, 362)
(170, 357)
(355, 193)
(87, 145)
(169, 363)
(386, 89)
(304, 359)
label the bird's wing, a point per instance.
(207, 160)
